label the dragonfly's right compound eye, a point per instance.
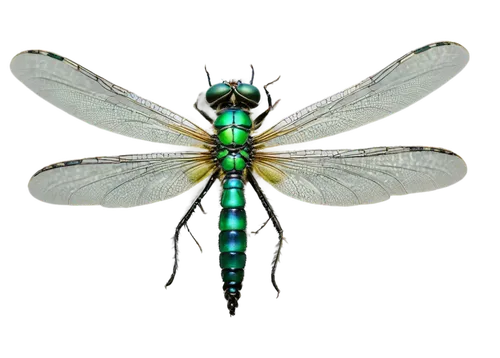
(249, 94)
(217, 93)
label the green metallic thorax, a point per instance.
(233, 128)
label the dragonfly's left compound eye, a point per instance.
(249, 92)
(217, 92)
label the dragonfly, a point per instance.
(234, 151)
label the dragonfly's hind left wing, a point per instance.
(95, 100)
(362, 176)
(123, 181)
(403, 82)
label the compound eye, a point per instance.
(217, 91)
(249, 91)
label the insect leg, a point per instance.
(179, 228)
(176, 239)
(199, 200)
(275, 222)
(197, 243)
(203, 113)
(260, 119)
(261, 228)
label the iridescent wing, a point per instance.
(124, 181)
(91, 98)
(397, 86)
(362, 176)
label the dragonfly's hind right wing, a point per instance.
(361, 176)
(91, 98)
(123, 181)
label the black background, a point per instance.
(414, 256)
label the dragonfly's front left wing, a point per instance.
(91, 98)
(397, 86)
(123, 181)
(362, 176)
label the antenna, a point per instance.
(252, 74)
(207, 75)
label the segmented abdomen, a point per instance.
(232, 238)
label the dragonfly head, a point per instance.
(233, 93)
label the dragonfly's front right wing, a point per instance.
(91, 98)
(362, 176)
(397, 86)
(123, 181)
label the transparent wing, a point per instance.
(124, 181)
(397, 86)
(91, 98)
(362, 176)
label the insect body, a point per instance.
(233, 153)
(232, 102)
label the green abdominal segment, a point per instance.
(232, 237)
(233, 129)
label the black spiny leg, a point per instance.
(197, 243)
(179, 228)
(261, 119)
(260, 228)
(275, 222)
(176, 240)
